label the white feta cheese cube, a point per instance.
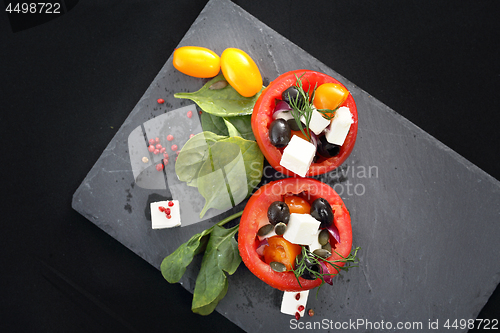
(165, 214)
(290, 304)
(314, 245)
(302, 229)
(318, 123)
(339, 127)
(298, 155)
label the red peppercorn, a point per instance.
(167, 211)
(161, 209)
(170, 203)
(160, 101)
(301, 308)
(297, 315)
(169, 217)
(297, 297)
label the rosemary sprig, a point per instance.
(309, 261)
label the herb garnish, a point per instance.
(303, 106)
(310, 263)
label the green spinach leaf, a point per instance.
(243, 125)
(253, 160)
(173, 266)
(192, 156)
(221, 178)
(221, 257)
(225, 102)
(214, 124)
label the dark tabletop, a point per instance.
(68, 84)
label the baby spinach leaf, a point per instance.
(253, 160)
(214, 124)
(192, 156)
(231, 129)
(225, 102)
(218, 174)
(174, 265)
(221, 257)
(243, 125)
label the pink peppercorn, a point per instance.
(165, 155)
(151, 148)
(151, 141)
(157, 140)
(158, 146)
(191, 135)
(165, 161)
(190, 114)
(160, 101)
(159, 167)
(170, 137)
(156, 151)
(162, 150)
(174, 147)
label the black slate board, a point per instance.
(421, 213)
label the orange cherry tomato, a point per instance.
(330, 96)
(196, 61)
(241, 72)
(282, 251)
(297, 205)
(300, 134)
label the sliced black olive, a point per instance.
(292, 96)
(322, 211)
(278, 212)
(279, 133)
(327, 149)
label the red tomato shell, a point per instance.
(255, 216)
(263, 112)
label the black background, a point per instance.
(67, 86)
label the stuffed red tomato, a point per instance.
(265, 109)
(255, 216)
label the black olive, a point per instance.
(279, 133)
(322, 211)
(278, 212)
(310, 265)
(292, 96)
(327, 149)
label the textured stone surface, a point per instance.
(421, 213)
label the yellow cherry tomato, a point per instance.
(330, 96)
(241, 72)
(196, 61)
